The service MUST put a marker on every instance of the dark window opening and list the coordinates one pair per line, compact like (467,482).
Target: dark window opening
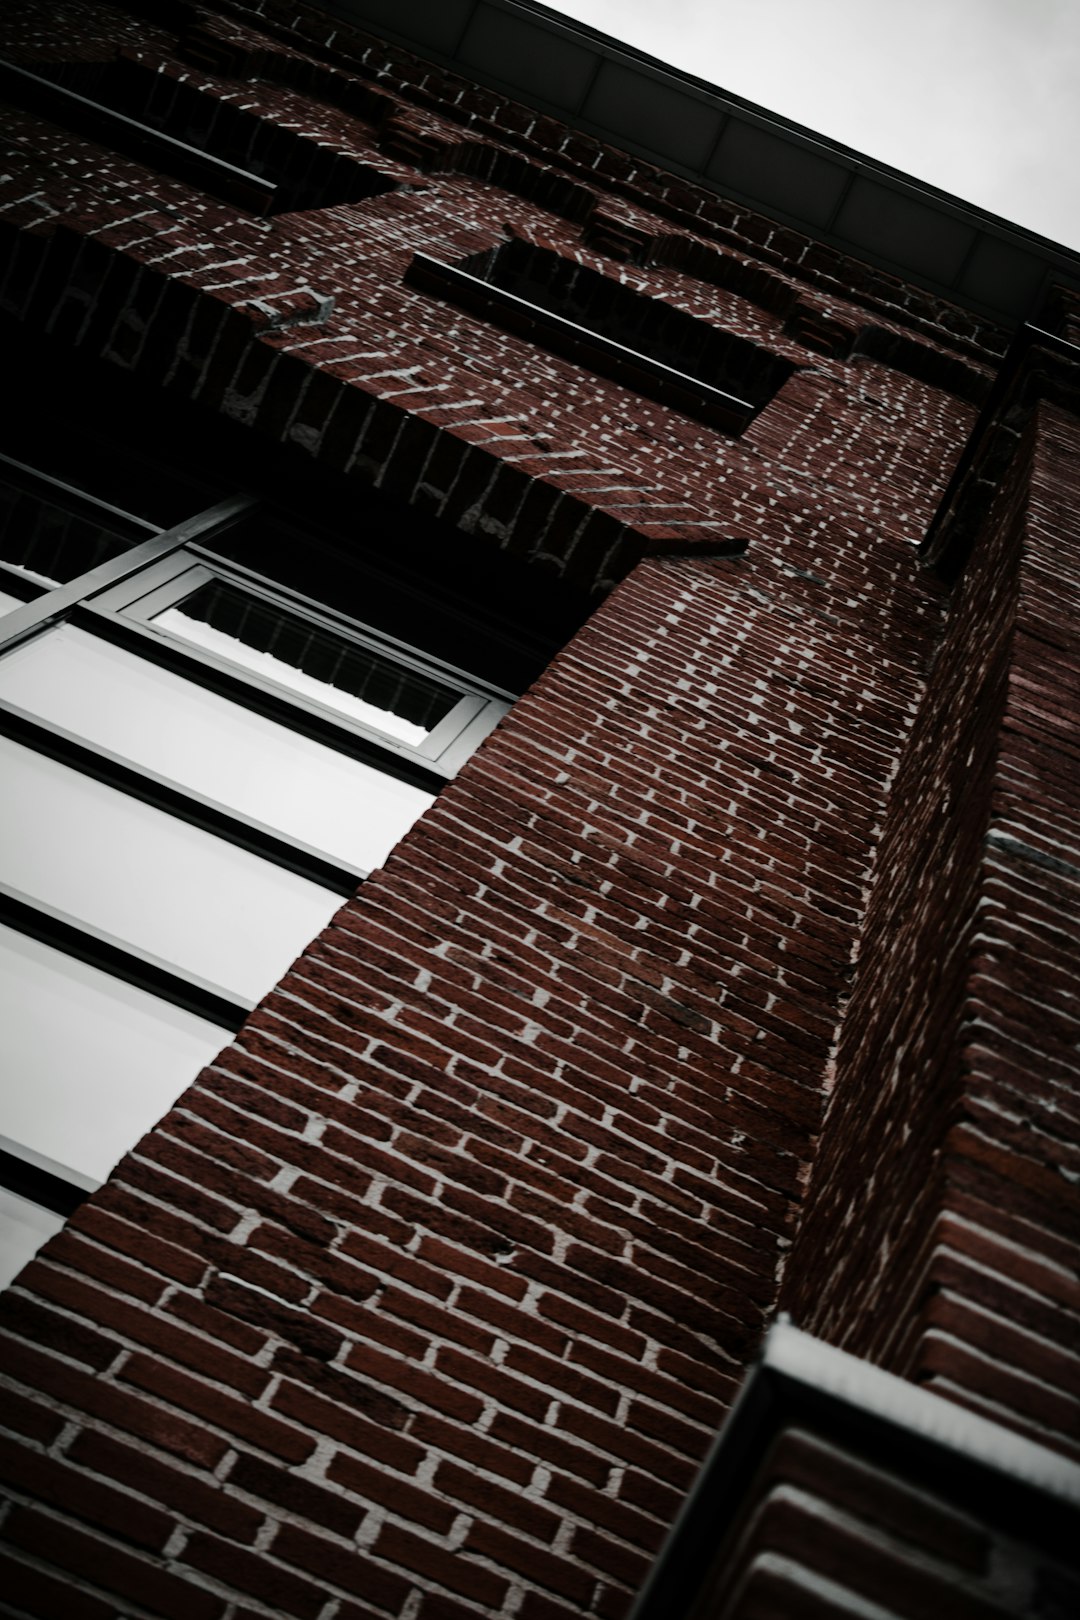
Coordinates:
(289,643)
(210,735)
(641,341)
(411,575)
(46,538)
(177,129)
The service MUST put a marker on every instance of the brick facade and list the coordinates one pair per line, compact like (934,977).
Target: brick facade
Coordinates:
(735,972)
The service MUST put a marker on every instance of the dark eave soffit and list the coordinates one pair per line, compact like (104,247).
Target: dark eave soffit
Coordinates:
(684,125)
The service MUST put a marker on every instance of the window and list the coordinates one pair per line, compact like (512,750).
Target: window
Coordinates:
(50,533)
(200,762)
(174,128)
(607,327)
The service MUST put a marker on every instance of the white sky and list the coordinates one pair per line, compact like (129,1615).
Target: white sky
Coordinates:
(978,97)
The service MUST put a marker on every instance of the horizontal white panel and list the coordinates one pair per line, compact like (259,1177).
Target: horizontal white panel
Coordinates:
(7,602)
(146,878)
(24,1227)
(89,1063)
(202,741)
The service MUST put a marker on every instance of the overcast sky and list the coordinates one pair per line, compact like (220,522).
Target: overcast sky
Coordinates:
(979,97)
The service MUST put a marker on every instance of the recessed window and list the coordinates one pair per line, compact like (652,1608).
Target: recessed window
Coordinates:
(51,533)
(175,128)
(612,329)
(200,763)
(296,653)
(47,545)
(279,643)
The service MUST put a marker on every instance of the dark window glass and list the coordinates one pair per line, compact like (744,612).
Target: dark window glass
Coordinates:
(50,541)
(355,679)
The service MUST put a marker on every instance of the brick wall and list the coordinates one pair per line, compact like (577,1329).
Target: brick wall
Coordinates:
(464,1244)
(574,470)
(940,1229)
(427,1298)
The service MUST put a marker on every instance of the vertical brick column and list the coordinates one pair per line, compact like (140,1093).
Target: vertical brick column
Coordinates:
(1001,1324)
(942,1218)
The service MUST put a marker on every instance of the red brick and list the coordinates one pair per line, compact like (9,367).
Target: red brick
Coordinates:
(613,1515)
(437,1606)
(627,1566)
(369,1323)
(550,1445)
(34,1322)
(33,1592)
(216,1324)
(652,1496)
(503,1387)
(691,1440)
(170,1259)
(114,1406)
(71,1250)
(547,1569)
(580,1320)
(106,1566)
(360,1433)
(272,1315)
(467,1445)
(153,1331)
(298,1497)
(456,1262)
(218,1407)
(344,1567)
(175,1488)
(390,1262)
(510,1507)
(251,1573)
(414,1383)
(446,1324)
(454,1570)
(382,1489)
(23,1416)
(561,1376)
(539,1607)
(57,1484)
(597,1431)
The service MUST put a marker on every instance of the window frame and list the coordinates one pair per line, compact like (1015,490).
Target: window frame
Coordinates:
(159,586)
(114,600)
(41,1180)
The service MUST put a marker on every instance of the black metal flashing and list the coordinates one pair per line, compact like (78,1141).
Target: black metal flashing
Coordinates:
(730,146)
(29,1178)
(591,349)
